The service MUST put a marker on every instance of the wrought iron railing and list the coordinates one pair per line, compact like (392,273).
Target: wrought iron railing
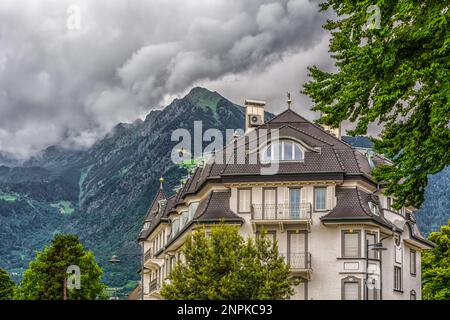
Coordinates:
(153,286)
(282,211)
(148,254)
(298,260)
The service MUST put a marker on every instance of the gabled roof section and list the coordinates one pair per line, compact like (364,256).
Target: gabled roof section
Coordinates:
(158,216)
(324,154)
(155,204)
(287,116)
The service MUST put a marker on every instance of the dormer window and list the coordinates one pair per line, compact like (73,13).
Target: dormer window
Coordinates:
(146,226)
(161,205)
(374,208)
(283,150)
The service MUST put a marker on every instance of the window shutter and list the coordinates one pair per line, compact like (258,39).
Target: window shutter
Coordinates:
(351,291)
(285,201)
(304,195)
(351,245)
(330,197)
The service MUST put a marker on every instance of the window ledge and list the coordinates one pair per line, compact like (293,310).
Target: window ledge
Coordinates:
(399,291)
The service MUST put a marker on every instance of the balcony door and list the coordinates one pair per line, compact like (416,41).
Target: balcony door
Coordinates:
(270,203)
(297,256)
(294,203)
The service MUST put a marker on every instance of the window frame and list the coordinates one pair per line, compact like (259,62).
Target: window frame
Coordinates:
(281,143)
(239,190)
(371,233)
(413,263)
(314,199)
(299,188)
(352,280)
(343,233)
(398,285)
(264,189)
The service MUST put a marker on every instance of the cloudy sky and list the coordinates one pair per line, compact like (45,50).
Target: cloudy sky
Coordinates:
(67,78)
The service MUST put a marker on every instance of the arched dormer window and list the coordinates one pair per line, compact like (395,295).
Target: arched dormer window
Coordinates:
(283,150)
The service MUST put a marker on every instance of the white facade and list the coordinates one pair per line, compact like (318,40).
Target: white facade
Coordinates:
(328,255)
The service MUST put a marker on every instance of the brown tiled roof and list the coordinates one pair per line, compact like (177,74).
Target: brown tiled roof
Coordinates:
(353,203)
(216,207)
(325,154)
(158,216)
(154,206)
(326,157)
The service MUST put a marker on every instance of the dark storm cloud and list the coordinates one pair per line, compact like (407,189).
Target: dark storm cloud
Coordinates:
(71,86)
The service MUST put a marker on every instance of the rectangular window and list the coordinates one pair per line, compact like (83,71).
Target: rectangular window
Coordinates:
(371,239)
(320,199)
(271,235)
(294,202)
(412,262)
(389,203)
(351,290)
(397,278)
(297,256)
(244,201)
(351,244)
(288,151)
(270,203)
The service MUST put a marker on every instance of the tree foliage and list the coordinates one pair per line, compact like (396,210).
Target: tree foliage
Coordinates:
(7,286)
(224,266)
(436,267)
(45,277)
(396,74)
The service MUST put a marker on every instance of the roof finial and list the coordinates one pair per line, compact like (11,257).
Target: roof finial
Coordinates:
(161,180)
(289,101)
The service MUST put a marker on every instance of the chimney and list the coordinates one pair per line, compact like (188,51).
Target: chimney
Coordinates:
(254,114)
(334,131)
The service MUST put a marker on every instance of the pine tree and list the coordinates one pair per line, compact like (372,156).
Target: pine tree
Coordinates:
(47,274)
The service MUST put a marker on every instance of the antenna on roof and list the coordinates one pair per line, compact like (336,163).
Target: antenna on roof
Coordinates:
(369,156)
(289,100)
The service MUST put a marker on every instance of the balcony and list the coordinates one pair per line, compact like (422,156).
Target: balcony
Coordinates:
(148,254)
(154,287)
(300,263)
(282,214)
(150,259)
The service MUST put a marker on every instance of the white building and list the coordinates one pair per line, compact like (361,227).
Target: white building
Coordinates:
(322,206)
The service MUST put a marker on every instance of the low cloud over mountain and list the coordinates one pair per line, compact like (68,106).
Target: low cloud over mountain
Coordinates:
(70,86)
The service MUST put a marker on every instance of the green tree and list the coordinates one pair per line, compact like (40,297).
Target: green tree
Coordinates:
(436,267)
(7,286)
(46,275)
(224,266)
(395,73)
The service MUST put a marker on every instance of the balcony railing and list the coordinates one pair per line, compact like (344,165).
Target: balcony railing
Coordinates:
(282,211)
(301,260)
(153,286)
(148,254)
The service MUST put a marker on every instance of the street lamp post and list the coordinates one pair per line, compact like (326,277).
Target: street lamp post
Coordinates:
(116,260)
(377,247)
